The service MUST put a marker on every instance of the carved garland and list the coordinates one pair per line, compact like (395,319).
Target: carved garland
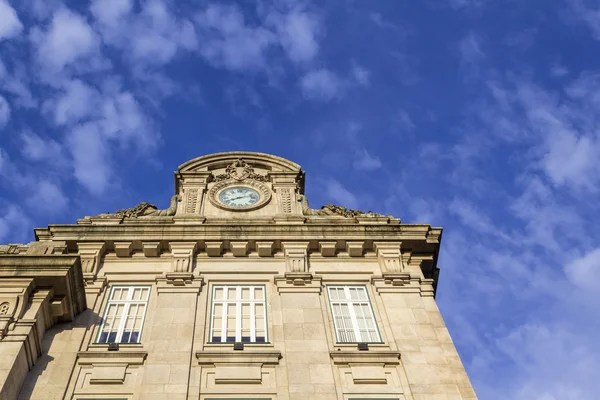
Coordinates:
(265,194)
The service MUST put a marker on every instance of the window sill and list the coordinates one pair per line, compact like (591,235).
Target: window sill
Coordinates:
(230,345)
(346,346)
(122,346)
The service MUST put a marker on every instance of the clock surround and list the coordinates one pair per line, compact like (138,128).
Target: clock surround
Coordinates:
(263,191)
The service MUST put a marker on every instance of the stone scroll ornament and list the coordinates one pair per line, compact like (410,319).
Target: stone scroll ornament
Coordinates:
(145,209)
(333,210)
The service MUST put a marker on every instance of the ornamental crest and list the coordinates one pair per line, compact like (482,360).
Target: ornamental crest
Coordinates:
(240,170)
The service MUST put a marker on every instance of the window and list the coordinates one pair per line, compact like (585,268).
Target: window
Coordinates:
(352,315)
(238,314)
(124,315)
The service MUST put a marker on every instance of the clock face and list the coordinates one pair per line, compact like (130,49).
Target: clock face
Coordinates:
(239,196)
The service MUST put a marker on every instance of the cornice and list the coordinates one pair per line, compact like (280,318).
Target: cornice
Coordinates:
(242,230)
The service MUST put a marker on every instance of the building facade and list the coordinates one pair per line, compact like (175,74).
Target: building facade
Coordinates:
(238,290)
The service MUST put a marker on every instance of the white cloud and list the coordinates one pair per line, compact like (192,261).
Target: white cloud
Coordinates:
(77,101)
(111,12)
(361,75)
(226,40)
(321,84)
(47,197)
(363,161)
(4,112)
(36,148)
(14,223)
(10,25)
(298,32)
(340,195)
(68,39)
(91,162)
(584,272)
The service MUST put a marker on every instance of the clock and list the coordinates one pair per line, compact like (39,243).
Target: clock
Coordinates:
(239,197)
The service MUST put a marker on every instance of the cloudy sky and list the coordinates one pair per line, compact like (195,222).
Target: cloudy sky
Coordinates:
(481,116)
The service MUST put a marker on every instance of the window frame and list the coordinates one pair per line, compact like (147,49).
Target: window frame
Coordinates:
(351,303)
(126,309)
(238,302)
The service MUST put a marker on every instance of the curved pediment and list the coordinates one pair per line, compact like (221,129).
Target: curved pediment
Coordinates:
(216,161)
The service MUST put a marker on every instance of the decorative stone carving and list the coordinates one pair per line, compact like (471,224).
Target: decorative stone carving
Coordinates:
(286,201)
(298,282)
(182,256)
(389,256)
(333,210)
(239,170)
(296,256)
(192,200)
(145,209)
(91,254)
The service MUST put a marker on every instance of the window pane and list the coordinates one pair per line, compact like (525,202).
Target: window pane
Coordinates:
(124,315)
(245,293)
(231,322)
(242,308)
(352,314)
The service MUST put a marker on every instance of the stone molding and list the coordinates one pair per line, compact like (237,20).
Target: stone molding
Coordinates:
(402,283)
(238,367)
(110,367)
(179,282)
(366,367)
(298,282)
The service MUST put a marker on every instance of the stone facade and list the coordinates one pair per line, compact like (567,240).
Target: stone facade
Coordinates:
(130,305)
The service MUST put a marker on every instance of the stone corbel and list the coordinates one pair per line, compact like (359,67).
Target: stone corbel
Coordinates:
(389,256)
(91,255)
(298,282)
(296,256)
(182,254)
(327,249)
(214,249)
(239,249)
(355,249)
(123,249)
(264,249)
(151,249)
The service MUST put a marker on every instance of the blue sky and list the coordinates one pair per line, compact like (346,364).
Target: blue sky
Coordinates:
(480,116)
